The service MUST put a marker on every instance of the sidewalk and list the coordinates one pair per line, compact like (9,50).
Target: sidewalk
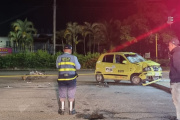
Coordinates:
(163,84)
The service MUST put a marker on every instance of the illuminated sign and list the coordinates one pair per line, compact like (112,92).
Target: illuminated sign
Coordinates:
(5,50)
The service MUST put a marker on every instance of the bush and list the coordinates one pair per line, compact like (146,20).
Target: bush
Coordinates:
(42,59)
(90,60)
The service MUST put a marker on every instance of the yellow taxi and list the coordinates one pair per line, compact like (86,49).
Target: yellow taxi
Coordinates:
(127,66)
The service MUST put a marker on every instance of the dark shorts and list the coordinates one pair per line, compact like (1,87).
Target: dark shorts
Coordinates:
(67,89)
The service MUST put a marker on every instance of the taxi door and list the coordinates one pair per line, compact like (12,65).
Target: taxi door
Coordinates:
(108,66)
(121,69)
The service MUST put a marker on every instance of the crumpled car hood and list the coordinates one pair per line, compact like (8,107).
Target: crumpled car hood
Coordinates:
(148,63)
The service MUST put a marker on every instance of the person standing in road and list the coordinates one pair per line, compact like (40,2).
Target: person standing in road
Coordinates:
(67,65)
(174,74)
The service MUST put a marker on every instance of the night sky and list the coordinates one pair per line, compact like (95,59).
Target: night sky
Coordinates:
(40,12)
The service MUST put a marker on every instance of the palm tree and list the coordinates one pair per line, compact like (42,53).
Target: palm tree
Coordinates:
(72,31)
(100,38)
(85,32)
(112,32)
(93,30)
(14,37)
(60,36)
(21,33)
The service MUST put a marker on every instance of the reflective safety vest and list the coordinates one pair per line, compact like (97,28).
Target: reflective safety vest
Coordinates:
(67,69)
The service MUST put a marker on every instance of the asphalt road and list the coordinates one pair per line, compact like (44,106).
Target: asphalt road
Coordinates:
(38,99)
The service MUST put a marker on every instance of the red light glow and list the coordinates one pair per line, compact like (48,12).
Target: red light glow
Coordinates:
(118,48)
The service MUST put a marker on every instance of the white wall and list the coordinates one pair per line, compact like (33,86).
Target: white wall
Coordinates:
(3,41)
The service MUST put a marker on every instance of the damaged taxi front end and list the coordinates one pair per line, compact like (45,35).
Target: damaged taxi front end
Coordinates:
(148,70)
(151,71)
(127,66)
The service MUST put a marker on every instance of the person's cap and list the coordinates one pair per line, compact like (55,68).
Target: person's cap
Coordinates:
(175,41)
(68,47)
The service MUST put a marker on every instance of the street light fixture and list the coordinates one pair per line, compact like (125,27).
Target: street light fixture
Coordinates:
(170,20)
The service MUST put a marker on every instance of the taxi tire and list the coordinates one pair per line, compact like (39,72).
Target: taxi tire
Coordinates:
(99,78)
(135,79)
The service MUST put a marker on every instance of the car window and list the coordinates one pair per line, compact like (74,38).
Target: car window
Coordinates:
(108,58)
(134,58)
(119,59)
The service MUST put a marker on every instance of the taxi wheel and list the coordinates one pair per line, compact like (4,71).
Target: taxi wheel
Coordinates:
(136,80)
(99,78)
(117,81)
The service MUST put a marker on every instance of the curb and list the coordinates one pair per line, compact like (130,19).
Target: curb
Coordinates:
(161,87)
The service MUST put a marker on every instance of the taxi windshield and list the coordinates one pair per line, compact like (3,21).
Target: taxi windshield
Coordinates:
(134,58)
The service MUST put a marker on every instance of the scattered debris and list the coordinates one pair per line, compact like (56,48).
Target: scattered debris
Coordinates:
(171,117)
(104,84)
(24,77)
(94,116)
(34,75)
(8,87)
(85,110)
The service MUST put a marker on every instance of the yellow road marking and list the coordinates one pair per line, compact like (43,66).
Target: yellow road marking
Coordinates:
(34,75)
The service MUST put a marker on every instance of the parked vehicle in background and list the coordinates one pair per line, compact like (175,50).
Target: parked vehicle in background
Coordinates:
(127,66)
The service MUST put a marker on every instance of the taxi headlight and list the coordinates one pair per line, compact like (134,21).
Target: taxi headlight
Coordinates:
(147,69)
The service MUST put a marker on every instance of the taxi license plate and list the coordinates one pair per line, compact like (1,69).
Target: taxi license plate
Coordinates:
(156,74)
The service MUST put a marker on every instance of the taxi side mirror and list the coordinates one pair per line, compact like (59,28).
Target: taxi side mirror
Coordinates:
(124,62)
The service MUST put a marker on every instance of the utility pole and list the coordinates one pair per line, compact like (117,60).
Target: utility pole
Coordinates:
(156,47)
(54,27)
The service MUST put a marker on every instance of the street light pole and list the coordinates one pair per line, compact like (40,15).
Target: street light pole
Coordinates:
(156,48)
(54,27)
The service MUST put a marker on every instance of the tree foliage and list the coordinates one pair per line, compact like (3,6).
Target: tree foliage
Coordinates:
(22,34)
(112,33)
(71,33)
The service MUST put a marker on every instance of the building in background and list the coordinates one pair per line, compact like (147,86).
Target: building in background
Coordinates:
(41,42)
(5,46)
